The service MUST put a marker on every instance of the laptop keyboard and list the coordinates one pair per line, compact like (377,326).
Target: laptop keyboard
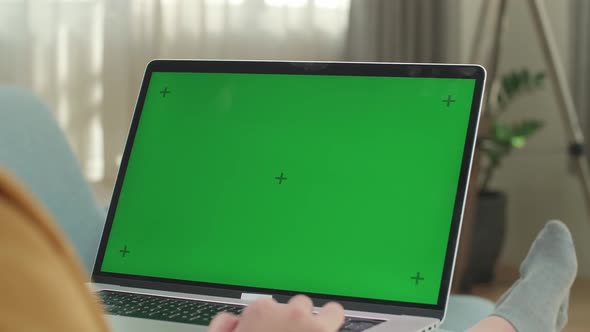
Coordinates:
(189,311)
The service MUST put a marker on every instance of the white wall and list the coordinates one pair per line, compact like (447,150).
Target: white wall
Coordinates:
(539,178)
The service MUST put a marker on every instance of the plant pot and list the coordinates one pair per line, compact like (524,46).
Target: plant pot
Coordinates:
(487,238)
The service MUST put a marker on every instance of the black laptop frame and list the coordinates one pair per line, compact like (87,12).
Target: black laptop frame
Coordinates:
(306,68)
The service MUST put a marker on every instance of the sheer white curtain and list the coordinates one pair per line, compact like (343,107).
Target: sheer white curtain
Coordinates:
(404,30)
(85,58)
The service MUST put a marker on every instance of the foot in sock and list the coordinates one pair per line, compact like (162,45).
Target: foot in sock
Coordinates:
(538,300)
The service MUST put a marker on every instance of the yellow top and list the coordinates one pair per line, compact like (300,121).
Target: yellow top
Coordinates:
(42,284)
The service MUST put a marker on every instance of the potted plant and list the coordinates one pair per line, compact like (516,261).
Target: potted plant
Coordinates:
(499,139)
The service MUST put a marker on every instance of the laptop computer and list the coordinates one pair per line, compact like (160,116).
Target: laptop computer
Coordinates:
(342,181)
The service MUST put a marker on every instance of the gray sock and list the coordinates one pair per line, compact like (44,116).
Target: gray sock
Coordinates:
(537,302)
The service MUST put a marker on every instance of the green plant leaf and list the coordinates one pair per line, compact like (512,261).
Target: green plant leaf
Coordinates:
(526,128)
(518,141)
(516,83)
(503,137)
(538,78)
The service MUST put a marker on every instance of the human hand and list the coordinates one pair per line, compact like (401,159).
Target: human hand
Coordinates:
(266,315)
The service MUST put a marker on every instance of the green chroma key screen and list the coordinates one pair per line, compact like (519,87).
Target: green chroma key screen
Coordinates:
(339,185)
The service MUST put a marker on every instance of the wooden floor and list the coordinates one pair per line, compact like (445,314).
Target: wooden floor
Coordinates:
(579,307)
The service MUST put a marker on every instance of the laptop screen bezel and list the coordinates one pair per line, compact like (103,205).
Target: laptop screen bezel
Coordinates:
(306,68)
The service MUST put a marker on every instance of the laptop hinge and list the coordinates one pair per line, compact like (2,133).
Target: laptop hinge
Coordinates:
(253,296)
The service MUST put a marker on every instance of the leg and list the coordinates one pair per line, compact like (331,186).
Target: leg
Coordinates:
(538,299)
(493,324)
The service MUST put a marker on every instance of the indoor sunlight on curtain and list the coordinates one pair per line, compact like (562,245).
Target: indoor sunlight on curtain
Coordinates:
(85,58)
